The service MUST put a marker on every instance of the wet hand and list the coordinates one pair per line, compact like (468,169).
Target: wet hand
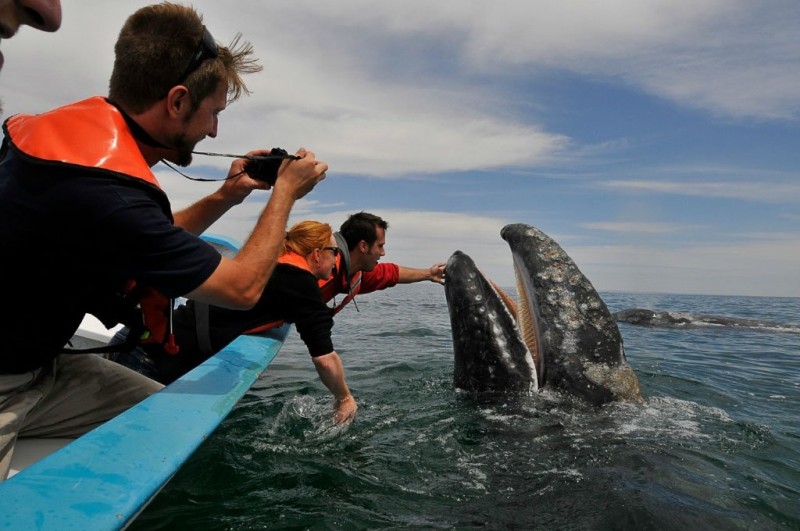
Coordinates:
(344,410)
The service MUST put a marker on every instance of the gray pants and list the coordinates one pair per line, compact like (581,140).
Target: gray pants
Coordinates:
(73,396)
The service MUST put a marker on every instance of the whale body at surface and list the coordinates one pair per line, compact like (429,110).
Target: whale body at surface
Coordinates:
(558,335)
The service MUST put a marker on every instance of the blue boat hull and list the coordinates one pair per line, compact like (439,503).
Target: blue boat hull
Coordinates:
(105,478)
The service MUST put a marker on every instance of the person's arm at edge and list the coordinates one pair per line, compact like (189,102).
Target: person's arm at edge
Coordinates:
(331,372)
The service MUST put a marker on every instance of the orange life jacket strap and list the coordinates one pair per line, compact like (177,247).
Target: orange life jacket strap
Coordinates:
(354,287)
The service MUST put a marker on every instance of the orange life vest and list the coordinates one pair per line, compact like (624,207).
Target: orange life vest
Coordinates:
(105,143)
(329,289)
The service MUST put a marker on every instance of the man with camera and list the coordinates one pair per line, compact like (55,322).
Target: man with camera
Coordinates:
(87,228)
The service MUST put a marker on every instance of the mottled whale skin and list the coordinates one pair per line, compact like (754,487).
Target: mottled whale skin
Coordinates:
(578,342)
(563,337)
(490,355)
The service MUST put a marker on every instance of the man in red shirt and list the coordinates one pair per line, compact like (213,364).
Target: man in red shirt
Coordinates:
(358,269)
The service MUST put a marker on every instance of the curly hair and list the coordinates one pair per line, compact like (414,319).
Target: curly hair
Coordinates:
(155,45)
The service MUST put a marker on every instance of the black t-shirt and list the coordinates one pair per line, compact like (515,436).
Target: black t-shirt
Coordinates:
(292,295)
(69,239)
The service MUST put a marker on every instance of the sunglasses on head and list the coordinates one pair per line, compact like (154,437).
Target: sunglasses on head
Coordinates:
(207,49)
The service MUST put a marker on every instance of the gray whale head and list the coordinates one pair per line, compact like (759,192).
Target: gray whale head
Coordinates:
(490,355)
(559,334)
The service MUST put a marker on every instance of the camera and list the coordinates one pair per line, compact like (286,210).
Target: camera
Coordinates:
(265,167)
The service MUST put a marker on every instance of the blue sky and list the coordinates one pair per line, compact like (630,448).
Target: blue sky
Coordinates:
(656,141)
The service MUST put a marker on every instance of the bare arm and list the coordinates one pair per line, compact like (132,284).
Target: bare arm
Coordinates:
(238,282)
(237,186)
(408,275)
(331,372)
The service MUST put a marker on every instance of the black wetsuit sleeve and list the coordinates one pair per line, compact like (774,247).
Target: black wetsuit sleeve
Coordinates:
(304,307)
(291,295)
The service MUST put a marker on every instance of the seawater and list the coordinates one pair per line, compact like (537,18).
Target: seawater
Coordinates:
(716,445)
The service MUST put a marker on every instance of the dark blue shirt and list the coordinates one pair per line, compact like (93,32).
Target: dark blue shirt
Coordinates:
(69,239)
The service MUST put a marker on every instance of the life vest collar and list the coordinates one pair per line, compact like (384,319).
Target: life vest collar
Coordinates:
(295,259)
(343,260)
(90,134)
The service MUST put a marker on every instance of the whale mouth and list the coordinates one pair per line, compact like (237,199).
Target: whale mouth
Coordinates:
(525,314)
(576,340)
(527,317)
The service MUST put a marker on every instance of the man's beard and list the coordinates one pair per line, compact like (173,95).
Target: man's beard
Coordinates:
(183,150)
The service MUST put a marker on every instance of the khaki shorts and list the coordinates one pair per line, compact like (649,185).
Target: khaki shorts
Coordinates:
(74,396)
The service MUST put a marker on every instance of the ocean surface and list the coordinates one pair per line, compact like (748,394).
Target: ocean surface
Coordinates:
(716,445)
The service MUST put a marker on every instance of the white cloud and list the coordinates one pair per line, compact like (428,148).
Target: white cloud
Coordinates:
(743,268)
(735,58)
(638,227)
(750,191)
(334,83)
(422,238)
(413,87)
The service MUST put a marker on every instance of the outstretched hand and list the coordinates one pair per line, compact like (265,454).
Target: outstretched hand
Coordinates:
(437,273)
